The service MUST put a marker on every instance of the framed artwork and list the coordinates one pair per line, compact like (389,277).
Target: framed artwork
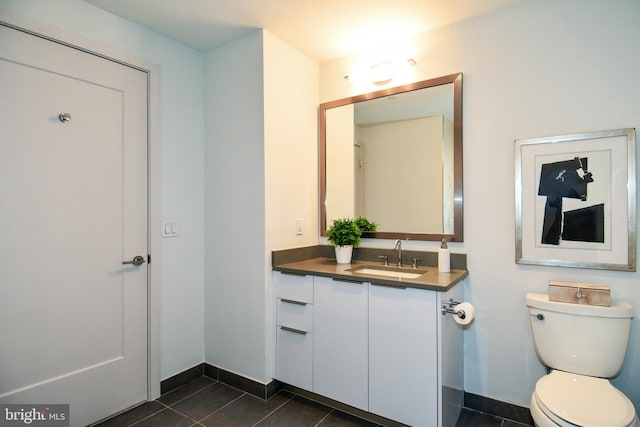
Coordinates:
(576,200)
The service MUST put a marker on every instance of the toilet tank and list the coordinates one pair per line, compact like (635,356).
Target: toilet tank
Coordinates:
(583,339)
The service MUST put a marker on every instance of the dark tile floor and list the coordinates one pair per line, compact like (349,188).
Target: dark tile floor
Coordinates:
(206,402)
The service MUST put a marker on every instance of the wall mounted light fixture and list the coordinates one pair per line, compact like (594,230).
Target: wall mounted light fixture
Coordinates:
(379,73)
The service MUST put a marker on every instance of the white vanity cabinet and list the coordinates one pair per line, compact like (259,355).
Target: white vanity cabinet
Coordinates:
(340,352)
(384,349)
(294,329)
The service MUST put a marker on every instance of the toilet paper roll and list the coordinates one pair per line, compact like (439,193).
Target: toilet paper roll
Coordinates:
(469,314)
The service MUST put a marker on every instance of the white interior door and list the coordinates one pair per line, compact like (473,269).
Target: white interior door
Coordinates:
(73,207)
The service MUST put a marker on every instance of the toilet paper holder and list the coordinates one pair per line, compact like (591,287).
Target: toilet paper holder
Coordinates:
(450,310)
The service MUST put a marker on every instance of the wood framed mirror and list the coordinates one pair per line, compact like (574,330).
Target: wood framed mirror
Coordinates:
(395,157)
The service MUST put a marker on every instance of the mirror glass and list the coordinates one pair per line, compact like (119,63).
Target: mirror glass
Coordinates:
(395,157)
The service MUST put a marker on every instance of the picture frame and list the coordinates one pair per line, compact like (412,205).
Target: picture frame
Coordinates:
(575,200)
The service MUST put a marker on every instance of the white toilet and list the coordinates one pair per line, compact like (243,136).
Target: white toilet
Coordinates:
(583,346)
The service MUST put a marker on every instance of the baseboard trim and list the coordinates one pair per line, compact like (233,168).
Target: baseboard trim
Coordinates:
(377,419)
(263,391)
(498,408)
(181,378)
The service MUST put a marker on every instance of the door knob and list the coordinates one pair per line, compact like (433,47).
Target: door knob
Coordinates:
(137,260)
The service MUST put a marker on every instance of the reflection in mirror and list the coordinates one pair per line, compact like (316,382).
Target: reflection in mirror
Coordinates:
(395,156)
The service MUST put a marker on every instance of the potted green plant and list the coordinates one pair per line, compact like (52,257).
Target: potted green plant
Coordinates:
(365,225)
(344,234)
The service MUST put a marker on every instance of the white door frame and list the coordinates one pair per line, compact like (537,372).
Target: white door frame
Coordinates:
(153,148)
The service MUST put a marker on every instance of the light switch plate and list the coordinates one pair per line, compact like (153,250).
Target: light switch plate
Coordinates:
(170,228)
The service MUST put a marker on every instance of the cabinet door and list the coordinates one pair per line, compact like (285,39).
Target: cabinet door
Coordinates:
(403,361)
(340,362)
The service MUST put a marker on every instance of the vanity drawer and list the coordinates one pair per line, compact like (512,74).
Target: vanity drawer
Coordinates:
(294,287)
(294,314)
(294,357)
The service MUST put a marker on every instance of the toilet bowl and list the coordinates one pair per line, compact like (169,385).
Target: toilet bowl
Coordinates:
(566,399)
(582,346)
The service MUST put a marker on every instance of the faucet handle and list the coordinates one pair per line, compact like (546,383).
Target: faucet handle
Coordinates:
(414,262)
(385,259)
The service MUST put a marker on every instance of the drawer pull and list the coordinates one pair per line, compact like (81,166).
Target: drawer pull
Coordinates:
(385,285)
(290,301)
(357,282)
(292,273)
(295,331)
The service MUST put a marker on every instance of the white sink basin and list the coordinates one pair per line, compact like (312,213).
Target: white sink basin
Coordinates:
(388,272)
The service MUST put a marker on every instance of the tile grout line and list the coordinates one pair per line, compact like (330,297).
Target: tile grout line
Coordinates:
(151,415)
(124,412)
(324,418)
(187,396)
(174,403)
(272,412)
(185,415)
(224,406)
(165,409)
(118,414)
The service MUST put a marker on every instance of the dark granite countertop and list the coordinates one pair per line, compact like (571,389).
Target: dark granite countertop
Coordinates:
(307,262)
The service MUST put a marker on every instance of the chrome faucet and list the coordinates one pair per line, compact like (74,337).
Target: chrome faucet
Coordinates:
(398,247)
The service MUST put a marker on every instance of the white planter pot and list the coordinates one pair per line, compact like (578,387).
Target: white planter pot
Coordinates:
(343,254)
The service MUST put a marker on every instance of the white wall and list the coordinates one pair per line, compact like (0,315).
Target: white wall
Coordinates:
(260,177)
(291,145)
(537,69)
(235,208)
(182,169)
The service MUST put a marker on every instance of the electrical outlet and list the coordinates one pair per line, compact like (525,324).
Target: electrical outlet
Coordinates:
(298,226)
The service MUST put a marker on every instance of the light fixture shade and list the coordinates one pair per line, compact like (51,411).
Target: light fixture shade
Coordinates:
(381,72)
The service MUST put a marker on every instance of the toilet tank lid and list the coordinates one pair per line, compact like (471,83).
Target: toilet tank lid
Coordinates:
(618,309)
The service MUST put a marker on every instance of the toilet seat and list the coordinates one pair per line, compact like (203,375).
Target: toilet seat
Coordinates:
(544,417)
(577,400)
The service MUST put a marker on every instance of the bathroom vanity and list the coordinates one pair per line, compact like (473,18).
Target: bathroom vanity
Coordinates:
(377,345)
